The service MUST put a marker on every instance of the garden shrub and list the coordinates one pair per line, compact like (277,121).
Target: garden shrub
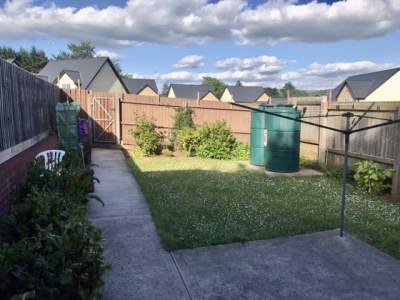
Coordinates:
(371,179)
(145,134)
(49,250)
(216,141)
(189,139)
(182,120)
(337,173)
(241,152)
(309,163)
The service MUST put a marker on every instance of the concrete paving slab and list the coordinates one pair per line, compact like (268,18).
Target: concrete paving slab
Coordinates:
(312,266)
(301,172)
(142,269)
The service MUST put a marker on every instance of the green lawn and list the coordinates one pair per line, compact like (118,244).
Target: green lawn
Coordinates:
(198,202)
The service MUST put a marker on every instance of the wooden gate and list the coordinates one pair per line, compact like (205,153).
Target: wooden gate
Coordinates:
(104,120)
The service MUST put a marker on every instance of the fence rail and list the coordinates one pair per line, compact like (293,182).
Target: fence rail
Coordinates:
(27,106)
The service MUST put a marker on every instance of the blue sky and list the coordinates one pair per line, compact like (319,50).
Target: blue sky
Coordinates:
(313,44)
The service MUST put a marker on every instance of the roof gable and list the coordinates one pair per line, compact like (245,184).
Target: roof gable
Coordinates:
(88,69)
(189,91)
(363,85)
(136,85)
(246,94)
(74,75)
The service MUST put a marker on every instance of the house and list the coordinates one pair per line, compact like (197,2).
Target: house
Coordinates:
(244,94)
(376,86)
(143,87)
(13,61)
(191,91)
(97,74)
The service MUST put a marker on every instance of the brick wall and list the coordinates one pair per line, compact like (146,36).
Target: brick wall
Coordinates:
(13,171)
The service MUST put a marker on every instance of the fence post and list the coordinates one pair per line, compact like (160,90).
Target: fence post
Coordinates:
(322,134)
(89,110)
(396,166)
(117,118)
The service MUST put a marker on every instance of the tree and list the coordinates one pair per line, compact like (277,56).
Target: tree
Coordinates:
(238,83)
(272,92)
(219,86)
(288,86)
(7,52)
(84,50)
(33,60)
(165,89)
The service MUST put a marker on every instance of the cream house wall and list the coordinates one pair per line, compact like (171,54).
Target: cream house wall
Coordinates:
(65,79)
(210,97)
(345,95)
(106,81)
(171,93)
(388,91)
(147,91)
(226,96)
(263,98)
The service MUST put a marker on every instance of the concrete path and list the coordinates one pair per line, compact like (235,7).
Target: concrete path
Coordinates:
(312,266)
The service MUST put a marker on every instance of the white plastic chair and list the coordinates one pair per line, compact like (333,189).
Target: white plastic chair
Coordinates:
(51,158)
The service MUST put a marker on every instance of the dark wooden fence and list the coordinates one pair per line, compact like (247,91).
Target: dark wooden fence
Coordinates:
(27,105)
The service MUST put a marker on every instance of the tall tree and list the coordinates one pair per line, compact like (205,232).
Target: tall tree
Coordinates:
(288,86)
(165,89)
(238,83)
(84,50)
(33,60)
(272,92)
(219,86)
(7,52)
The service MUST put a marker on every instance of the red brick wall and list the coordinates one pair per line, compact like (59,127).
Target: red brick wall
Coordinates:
(12,172)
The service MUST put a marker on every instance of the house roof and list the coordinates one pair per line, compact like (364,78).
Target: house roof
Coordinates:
(136,85)
(363,85)
(245,94)
(189,91)
(13,61)
(74,75)
(87,67)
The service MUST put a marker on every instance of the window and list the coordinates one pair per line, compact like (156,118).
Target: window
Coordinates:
(66,86)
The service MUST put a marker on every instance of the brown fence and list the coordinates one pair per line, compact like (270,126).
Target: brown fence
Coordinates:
(381,145)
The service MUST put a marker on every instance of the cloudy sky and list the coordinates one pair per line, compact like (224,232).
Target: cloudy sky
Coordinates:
(313,44)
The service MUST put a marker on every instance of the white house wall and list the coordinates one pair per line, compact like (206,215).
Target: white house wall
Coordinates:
(106,81)
(388,91)
(65,80)
(171,93)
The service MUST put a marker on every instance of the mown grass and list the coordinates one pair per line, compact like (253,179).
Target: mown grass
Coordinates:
(199,202)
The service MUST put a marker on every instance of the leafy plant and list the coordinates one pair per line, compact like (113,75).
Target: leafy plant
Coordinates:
(145,135)
(183,118)
(216,141)
(167,152)
(337,173)
(309,163)
(371,179)
(189,139)
(241,152)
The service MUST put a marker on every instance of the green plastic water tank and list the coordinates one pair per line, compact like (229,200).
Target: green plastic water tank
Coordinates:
(283,140)
(258,137)
(67,125)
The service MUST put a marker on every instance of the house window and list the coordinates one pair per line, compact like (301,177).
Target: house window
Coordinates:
(66,86)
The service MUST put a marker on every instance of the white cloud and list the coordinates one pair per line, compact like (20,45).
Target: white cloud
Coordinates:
(112,55)
(267,64)
(190,61)
(199,22)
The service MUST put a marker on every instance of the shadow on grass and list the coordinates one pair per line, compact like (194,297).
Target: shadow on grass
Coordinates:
(197,203)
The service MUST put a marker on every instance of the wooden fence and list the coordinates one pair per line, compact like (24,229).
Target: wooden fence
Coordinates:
(381,145)
(27,106)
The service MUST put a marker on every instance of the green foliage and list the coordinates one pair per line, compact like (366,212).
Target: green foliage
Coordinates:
(32,60)
(238,83)
(183,118)
(337,173)
(371,179)
(145,135)
(7,52)
(49,250)
(272,92)
(309,163)
(167,152)
(219,86)
(216,141)
(165,89)
(241,151)
(76,51)
(189,139)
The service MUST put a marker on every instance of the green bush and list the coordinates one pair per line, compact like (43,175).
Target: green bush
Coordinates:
(216,141)
(183,119)
(189,139)
(371,179)
(309,163)
(145,135)
(337,173)
(241,152)
(48,249)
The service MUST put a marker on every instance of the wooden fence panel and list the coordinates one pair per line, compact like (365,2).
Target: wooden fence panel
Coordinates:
(27,105)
